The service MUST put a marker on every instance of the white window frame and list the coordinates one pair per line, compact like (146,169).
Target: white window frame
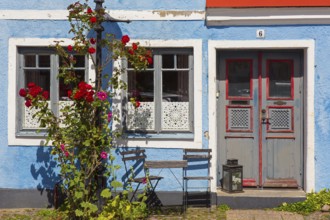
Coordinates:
(158,72)
(13,59)
(176,140)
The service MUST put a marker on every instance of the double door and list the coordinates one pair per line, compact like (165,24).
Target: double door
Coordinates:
(260,115)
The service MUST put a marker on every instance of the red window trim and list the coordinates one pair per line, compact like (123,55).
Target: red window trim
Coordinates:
(292,119)
(266,3)
(250,130)
(228,61)
(292,80)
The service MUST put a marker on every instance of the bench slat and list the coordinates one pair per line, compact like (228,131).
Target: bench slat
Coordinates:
(197,150)
(165,164)
(134,158)
(198,177)
(197,156)
(132,152)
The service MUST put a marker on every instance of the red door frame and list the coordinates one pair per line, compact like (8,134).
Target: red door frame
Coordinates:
(259,110)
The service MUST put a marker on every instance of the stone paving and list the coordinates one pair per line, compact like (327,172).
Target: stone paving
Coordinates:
(261,215)
(212,214)
(195,214)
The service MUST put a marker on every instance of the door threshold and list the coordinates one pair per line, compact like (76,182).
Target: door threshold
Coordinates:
(265,192)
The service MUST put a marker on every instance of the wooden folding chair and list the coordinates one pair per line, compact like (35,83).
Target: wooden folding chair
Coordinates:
(197,160)
(135,170)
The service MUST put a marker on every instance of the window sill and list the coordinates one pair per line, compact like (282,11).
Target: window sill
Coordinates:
(31,134)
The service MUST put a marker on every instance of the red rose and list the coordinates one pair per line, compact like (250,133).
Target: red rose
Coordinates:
(45,94)
(87,86)
(34,91)
(69,93)
(28,103)
(125,39)
(134,46)
(22,92)
(30,85)
(79,95)
(93,19)
(82,85)
(89,11)
(91,50)
(70,48)
(92,40)
(89,96)
(137,104)
(149,59)
(130,51)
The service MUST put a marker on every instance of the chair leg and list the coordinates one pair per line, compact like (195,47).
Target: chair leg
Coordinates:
(186,195)
(133,195)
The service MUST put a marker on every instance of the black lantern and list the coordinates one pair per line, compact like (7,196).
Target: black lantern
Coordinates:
(232,176)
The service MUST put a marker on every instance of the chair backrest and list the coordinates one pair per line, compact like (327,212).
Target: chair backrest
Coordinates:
(198,159)
(134,162)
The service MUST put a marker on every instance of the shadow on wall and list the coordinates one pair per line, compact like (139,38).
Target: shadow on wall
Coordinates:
(44,170)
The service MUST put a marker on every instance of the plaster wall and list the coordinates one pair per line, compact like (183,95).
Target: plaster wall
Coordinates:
(26,167)
(113,4)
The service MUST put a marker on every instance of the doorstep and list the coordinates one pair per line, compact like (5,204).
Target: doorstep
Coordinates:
(252,198)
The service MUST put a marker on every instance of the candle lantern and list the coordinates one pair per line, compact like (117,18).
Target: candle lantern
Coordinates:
(232,176)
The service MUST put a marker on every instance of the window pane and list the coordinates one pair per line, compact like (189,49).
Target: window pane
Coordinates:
(280,78)
(141,86)
(168,61)
(239,73)
(30,61)
(39,77)
(175,86)
(182,61)
(175,103)
(44,61)
(80,61)
(64,88)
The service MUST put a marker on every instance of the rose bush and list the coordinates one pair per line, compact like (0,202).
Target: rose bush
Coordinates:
(80,134)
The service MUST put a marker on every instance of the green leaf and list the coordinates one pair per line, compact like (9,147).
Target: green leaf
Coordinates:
(106,193)
(79,212)
(78,195)
(116,184)
(87,143)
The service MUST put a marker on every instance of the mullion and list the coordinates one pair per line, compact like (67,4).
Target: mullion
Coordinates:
(158,92)
(191,91)
(54,84)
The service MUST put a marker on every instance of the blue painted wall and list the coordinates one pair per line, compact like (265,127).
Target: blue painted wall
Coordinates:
(109,4)
(30,167)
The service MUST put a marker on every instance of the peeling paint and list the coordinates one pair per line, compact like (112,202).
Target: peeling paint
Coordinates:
(166,13)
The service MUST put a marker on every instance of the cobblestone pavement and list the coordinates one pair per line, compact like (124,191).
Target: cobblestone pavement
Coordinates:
(261,215)
(195,214)
(209,214)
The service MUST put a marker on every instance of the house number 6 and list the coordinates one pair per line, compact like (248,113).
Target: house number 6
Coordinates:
(260,34)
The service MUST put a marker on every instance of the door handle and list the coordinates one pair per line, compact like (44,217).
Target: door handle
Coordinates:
(264,117)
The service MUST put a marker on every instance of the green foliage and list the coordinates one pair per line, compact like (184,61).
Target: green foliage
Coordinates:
(17,217)
(50,214)
(122,209)
(81,135)
(313,202)
(223,208)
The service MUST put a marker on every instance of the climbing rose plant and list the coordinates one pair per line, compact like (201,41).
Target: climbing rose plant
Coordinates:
(80,134)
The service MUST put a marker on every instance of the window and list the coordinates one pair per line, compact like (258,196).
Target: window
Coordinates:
(41,66)
(165,92)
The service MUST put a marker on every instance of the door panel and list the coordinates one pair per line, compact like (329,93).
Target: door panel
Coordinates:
(260,115)
(281,133)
